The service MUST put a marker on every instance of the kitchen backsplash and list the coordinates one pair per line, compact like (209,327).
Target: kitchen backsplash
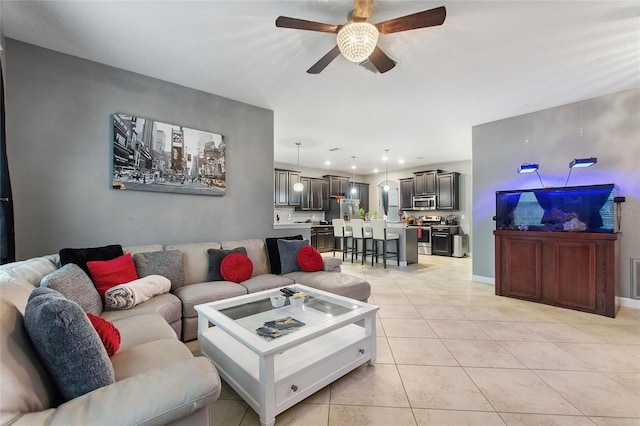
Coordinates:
(290,215)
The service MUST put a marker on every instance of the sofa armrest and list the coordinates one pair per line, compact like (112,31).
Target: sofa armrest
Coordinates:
(332,264)
(157,396)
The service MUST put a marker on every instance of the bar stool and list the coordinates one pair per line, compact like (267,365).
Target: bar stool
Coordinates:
(360,234)
(341,235)
(380,235)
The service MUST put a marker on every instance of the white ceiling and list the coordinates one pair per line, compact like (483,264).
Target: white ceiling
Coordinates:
(490,60)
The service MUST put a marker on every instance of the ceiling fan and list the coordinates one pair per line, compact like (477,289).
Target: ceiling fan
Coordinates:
(358,38)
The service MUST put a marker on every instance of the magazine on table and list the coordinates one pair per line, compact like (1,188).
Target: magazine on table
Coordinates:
(279,327)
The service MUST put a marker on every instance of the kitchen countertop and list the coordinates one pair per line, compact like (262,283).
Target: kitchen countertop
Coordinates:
(291,225)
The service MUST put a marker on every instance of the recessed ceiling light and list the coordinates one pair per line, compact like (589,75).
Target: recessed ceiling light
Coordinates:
(375,170)
(327,163)
(400,161)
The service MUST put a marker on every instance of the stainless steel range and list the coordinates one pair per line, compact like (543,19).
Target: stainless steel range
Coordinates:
(424,226)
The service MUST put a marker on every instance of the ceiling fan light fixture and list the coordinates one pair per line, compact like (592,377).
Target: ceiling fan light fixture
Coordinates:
(357,40)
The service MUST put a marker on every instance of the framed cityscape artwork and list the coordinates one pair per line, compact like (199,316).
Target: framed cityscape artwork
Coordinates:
(153,156)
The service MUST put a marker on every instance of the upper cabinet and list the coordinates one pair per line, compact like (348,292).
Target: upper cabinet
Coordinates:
(424,183)
(406,194)
(315,195)
(447,191)
(338,185)
(284,195)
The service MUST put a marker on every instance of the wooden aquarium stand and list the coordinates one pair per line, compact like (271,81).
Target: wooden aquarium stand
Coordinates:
(574,270)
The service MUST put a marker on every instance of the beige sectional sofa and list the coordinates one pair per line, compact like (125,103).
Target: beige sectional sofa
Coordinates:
(197,290)
(151,360)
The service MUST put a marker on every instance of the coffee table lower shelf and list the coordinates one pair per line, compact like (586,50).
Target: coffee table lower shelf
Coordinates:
(289,376)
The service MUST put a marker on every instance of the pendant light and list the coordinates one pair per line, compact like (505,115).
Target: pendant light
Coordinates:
(298,186)
(386,170)
(353,169)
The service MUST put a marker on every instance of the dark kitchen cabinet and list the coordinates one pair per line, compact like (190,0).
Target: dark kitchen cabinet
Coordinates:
(322,238)
(424,183)
(447,191)
(406,194)
(284,195)
(315,195)
(363,195)
(338,185)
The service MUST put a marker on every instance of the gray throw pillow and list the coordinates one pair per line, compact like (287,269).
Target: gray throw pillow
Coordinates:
(166,263)
(216,256)
(67,343)
(288,250)
(75,285)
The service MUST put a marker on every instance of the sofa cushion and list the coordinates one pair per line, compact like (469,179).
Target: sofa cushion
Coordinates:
(334,282)
(166,263)
(273,254)
(148,356)
(146,248)
(309,259)
(216,256)
(289,254)
(107,332)
(67,343)
(266,282)
(24,386)
(195,260)
(74,284)
(141,329)
(166,305)
(256,252)
(196,294)
(80,256)
(236,267)
(110,273)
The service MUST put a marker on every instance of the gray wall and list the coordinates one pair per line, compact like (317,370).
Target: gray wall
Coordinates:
(58,132)
(610,131)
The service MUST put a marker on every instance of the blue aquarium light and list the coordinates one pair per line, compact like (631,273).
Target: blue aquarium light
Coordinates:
(528,168)
(583,162)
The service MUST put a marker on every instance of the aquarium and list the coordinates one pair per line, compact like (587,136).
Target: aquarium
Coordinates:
(566,209)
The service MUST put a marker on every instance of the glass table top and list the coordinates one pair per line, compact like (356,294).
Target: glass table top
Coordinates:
(270,322)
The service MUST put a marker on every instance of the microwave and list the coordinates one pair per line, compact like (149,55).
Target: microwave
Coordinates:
(424,203)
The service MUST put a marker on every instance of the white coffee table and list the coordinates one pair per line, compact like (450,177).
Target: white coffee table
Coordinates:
(272,375)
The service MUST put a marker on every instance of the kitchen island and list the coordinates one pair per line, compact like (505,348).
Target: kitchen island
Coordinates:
(408,242)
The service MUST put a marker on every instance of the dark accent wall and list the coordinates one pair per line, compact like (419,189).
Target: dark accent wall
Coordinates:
(552,138)
(59,147)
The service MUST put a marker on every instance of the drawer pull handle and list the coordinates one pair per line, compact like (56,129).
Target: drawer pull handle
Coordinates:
(294,388)
(361,351)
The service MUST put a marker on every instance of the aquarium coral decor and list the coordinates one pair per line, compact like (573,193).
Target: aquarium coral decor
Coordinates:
(565,209)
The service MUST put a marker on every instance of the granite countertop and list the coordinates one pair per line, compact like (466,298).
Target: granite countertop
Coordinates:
(291,225)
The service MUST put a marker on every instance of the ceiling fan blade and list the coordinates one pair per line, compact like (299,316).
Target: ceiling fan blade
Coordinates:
(301,24)
(362,8)
(381,61)
(324,61)
(427,18)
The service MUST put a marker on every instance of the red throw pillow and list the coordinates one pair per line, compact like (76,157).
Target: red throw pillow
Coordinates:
(110,273)
(108,333)
(236,267)
(310,259)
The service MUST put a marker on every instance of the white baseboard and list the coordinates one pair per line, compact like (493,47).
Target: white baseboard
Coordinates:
(484,280)
(628,302)
(620,301)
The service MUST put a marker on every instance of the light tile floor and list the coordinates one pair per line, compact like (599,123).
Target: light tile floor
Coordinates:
(450,352)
